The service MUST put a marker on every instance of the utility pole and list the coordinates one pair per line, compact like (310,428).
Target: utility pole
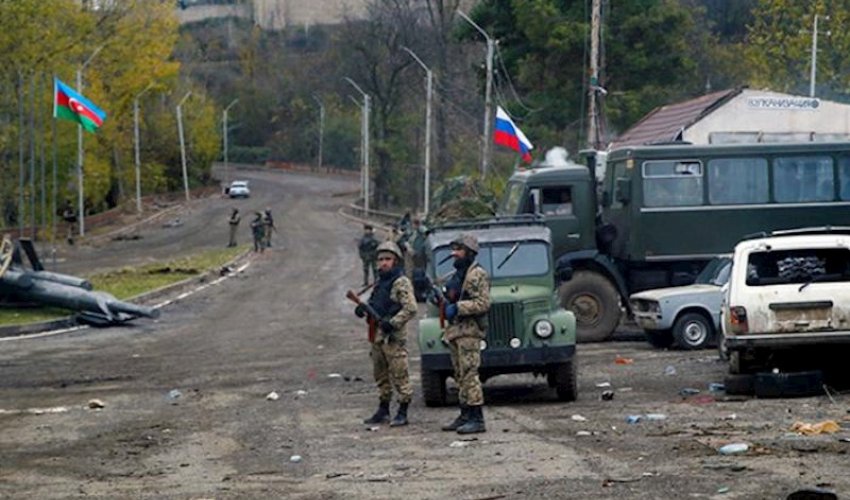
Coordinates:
(487,146)
(367,105)
(224,116)
(595,19)
(81,216)
(429,76)
(815,55)
(183,143)
(136,148)
(321,128)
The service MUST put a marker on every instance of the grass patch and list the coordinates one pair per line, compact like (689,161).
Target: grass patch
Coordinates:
(130,282)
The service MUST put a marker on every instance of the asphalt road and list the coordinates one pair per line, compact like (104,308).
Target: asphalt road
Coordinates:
(283,325)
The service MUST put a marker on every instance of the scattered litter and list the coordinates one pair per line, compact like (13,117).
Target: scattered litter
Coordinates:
(579,418)
(273,396)
(733,448)
(603,384)
(670,370)
(825,427)
(731,416)
(459,444)
(96,404)
(173,223)
(633,419)
(295,459)
(225,270)
(374,428)
(300,392)
(607,395)
(333,475)
(624,389)
(844,440)
(320,346)
(619,360)
(723,489)
(174,394)
(584,433)
(35,411)
(688,391)
(656,416)
(334,375)
(126,237)
(716,387)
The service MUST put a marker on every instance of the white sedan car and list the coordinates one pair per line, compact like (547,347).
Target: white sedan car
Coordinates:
(239,189)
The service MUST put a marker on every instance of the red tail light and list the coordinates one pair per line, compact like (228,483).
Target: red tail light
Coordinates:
(738,319)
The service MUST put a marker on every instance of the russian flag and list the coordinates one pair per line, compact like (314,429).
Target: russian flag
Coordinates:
(507,134)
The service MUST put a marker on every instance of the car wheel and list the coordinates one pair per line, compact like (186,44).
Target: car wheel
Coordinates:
(595,303)
(434,388)
(565,380)
(692,331)
(661,339)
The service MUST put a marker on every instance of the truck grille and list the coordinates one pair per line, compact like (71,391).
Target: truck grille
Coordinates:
(502,325)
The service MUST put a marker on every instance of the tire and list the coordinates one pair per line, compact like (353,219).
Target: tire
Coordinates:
(740,384)
(434,388)
(692,331)
(661,339)
(595,303)
(564,375)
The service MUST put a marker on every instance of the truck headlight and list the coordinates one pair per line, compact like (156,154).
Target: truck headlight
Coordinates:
(544,328)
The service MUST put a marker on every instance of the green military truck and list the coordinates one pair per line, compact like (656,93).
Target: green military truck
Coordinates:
(527,330)
(659,213)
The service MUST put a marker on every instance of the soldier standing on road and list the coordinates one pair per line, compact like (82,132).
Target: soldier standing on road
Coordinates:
(367,247)
(234,221)
(392,299)
(268,223)
(257,227)
(468,294)
(69,215)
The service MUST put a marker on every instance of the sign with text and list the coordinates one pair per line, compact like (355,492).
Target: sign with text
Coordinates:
(791,103)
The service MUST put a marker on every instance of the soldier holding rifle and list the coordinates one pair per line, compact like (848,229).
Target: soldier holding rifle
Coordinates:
(390,306)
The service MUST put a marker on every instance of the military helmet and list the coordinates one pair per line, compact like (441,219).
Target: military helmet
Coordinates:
(468,241)
(391,247)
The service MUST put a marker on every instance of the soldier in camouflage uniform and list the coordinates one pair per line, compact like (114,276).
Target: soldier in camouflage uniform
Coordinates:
(367,247)
(468,294)
(392,298)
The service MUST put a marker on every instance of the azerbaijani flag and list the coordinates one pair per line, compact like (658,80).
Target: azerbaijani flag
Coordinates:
(509,135)
(70,105)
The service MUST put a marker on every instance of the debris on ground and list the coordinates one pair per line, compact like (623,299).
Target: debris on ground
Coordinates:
(176,222)
(603,384)
(225,270)
(716,387)
(606,395)
(273,396)
(295,459)
(578,418)
(174,394)
(619,360)
(734,448)
(96,404)
(670,370)
(300,392)
(825,427)
(334,375)
(688,391)
(127,237)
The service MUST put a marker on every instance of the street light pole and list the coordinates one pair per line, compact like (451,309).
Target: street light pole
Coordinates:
(487,148)
(321,128)
(183,143)
(224,116)
(80,188)
(136,147)
(367,105)
(429,76)
(362,142)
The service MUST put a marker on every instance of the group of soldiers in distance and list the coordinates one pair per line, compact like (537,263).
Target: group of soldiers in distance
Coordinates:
(262,226)
(398,266)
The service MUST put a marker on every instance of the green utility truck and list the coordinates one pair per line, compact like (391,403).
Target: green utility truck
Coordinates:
(527,331)
(659,213)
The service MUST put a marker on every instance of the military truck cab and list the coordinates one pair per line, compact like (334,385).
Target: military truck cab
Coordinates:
(527,330)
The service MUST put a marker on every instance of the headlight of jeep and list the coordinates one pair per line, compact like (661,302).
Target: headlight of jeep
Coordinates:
(543,328)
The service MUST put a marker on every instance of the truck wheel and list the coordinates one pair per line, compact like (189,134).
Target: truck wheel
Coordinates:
(565,380)
(692,331)
(434,388)
(661,339)
(595,303)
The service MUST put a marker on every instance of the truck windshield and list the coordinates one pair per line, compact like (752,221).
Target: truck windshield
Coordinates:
(531,258)
(512,198)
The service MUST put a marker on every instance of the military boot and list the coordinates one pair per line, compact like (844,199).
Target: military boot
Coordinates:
(381,416)
(460,420)
(400,417)
(475,423)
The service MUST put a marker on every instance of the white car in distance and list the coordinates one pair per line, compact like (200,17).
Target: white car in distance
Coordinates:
(239,189)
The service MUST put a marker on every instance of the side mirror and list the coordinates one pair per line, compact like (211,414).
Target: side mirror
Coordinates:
(624,190)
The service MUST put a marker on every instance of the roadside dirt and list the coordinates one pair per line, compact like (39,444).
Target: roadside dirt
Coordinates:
(284,325)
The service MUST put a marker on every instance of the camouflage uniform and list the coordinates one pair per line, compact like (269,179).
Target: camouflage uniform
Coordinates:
(257,227)
(268,227)
(468,292)
(367,248)
(392,298)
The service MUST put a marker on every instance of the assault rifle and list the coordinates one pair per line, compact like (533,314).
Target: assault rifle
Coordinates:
(373,316)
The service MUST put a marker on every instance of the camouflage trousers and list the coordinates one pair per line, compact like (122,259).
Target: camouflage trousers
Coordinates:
(466,358)
(389,364)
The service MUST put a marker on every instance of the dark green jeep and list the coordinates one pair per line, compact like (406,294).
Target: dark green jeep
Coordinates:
(527,330)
